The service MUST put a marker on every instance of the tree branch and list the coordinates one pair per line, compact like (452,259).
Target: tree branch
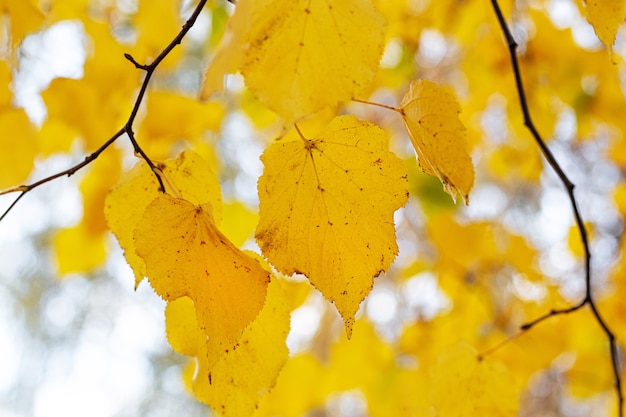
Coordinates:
(569,186)
(128,126)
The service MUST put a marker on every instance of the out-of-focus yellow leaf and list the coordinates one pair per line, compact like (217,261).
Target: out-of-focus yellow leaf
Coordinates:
(24,17)
(66,10)
(456,252)
(389,389)
(98,104)
(574,241)
(181,327)
(296,391)
(348,357)
(592,372)
(61,98)
(156,22)
(606,16)
(55,136)
(470,311)
(301,56)
(431,115)
(104,69)
(17,147)
(258,114)
(238,223)
(6,95)
(326,209)
(191,117)
(234,385)
(94,188)
(519,162)
(465,385)
(188,176)
(78,250)
(619,196)
(186,255)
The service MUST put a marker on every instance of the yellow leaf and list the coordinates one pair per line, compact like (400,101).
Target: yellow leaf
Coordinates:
(18,147)
(619,196)
(104,93)
(574,242)
(181,327)
(6,95)
(348,356)
(431,115)
(464,385)
(61,97)
(238,223)
(156,22)
(77,250)
(296,390)
(189,176)
(24,17)
(518,162)
(55,136)
(67,10)
(301,56)
(186,255)
(101,176)
(326,209)
(606,16)
(192,120)
(234,385)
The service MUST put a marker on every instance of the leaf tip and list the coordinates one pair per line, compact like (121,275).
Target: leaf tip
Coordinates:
(349,324)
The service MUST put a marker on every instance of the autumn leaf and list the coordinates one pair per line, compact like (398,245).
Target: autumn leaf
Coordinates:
(192,120)
(431,115)
(186,255)
(5,86)
(70,241)
(156,23)
(296,390)
(465,384)
(326,209)
(188,176)
(235,383)
(25,17)
(606,16)
(301,56)
(17,161)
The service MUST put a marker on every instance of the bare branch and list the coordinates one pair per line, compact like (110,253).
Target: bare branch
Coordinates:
(553,313)
(569,186)
(128,126)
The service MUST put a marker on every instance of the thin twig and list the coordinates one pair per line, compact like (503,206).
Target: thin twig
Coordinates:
(128,126)
(569,186)
(553,313)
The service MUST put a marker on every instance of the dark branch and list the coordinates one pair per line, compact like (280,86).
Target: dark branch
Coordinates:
(135,63)
(569,186)
(553,313)
(128,126)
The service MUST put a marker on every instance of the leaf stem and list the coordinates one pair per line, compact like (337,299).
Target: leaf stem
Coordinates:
(569,186)
(384,106)
(295,125)
(128,126)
